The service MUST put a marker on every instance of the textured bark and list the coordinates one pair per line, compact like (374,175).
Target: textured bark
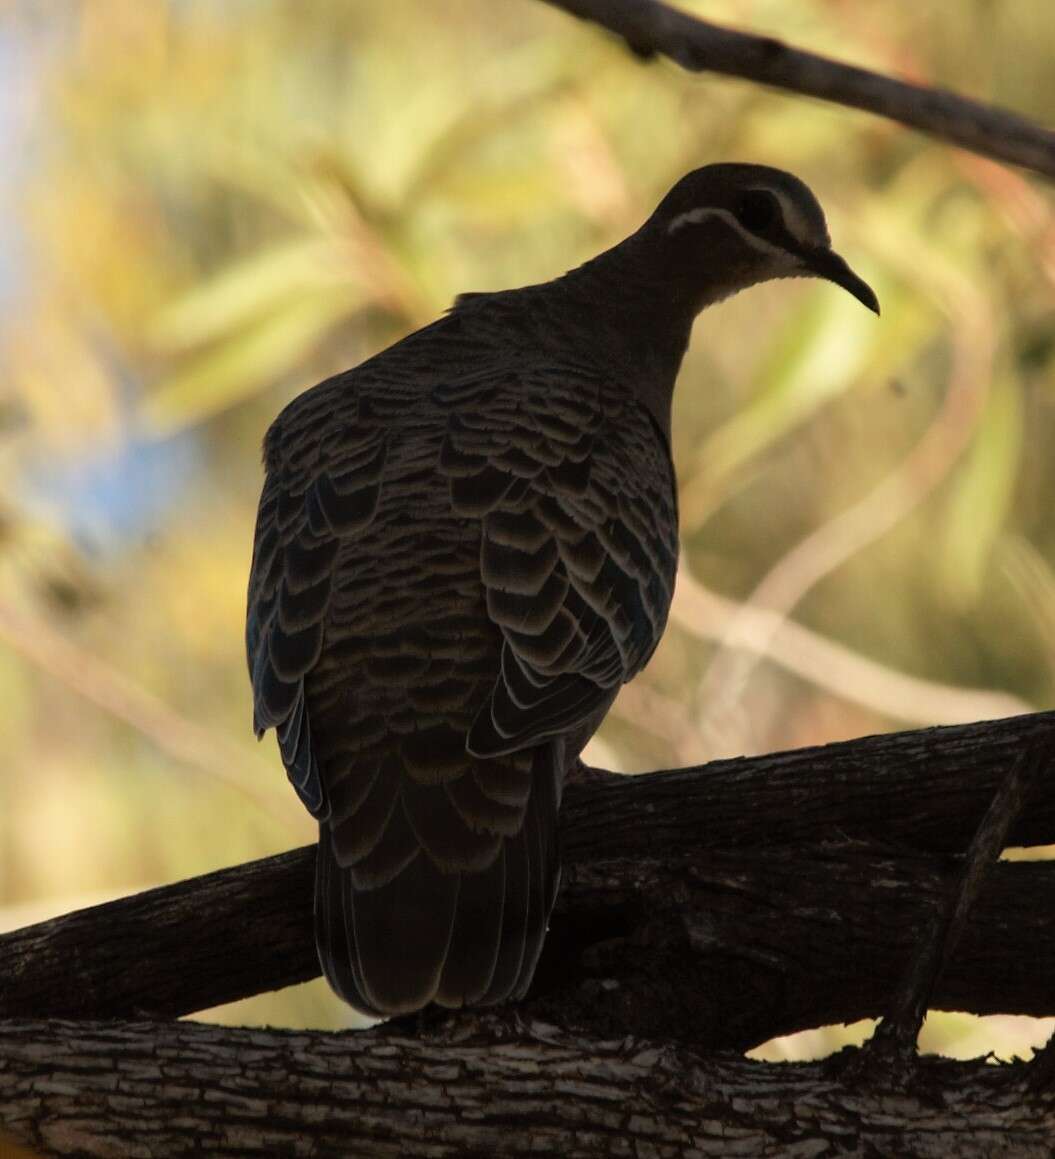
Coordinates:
(500,1085)
(650,28)
(702,909)
(924,788)
(169,951)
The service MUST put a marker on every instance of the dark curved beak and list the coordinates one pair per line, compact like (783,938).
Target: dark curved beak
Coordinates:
(826,263)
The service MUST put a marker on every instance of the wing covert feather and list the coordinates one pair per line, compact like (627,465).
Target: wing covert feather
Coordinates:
(318,490)
(575,494)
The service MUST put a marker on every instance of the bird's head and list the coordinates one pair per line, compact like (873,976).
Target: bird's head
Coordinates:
(726,227)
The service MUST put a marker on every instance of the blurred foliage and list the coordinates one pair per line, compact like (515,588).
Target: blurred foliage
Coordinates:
(211,204)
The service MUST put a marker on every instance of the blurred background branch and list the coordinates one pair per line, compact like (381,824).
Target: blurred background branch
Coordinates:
(650,27)
(211,753)
(767,634)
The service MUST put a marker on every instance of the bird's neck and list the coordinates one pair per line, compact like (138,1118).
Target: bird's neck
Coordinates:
(621,310)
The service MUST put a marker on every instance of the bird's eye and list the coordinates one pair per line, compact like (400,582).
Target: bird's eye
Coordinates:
(756,210)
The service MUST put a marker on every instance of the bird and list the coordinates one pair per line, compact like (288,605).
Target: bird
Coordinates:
(464,547)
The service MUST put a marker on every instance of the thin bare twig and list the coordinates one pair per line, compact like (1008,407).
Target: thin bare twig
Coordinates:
(893,1044)
(650,27)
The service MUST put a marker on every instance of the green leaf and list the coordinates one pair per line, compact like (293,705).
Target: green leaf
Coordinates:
(248,289)
(236,368)
(982,491)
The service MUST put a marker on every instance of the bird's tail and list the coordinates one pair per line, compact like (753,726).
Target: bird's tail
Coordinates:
(461,937)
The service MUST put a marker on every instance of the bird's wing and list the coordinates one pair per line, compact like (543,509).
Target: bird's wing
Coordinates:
(321,487)
(574,490)
(371,652)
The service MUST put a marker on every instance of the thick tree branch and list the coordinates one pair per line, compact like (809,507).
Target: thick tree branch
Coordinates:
(650,27)
(495,1084)
(723,949)
(925,788)
(721,905)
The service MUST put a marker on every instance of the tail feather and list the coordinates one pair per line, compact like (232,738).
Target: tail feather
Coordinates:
(401,934)
(338,965)
(540,838)
(506,976)
(456,938)
(478,930)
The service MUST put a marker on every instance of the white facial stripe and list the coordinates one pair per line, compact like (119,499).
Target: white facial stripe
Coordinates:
(692,216)
(794,220)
